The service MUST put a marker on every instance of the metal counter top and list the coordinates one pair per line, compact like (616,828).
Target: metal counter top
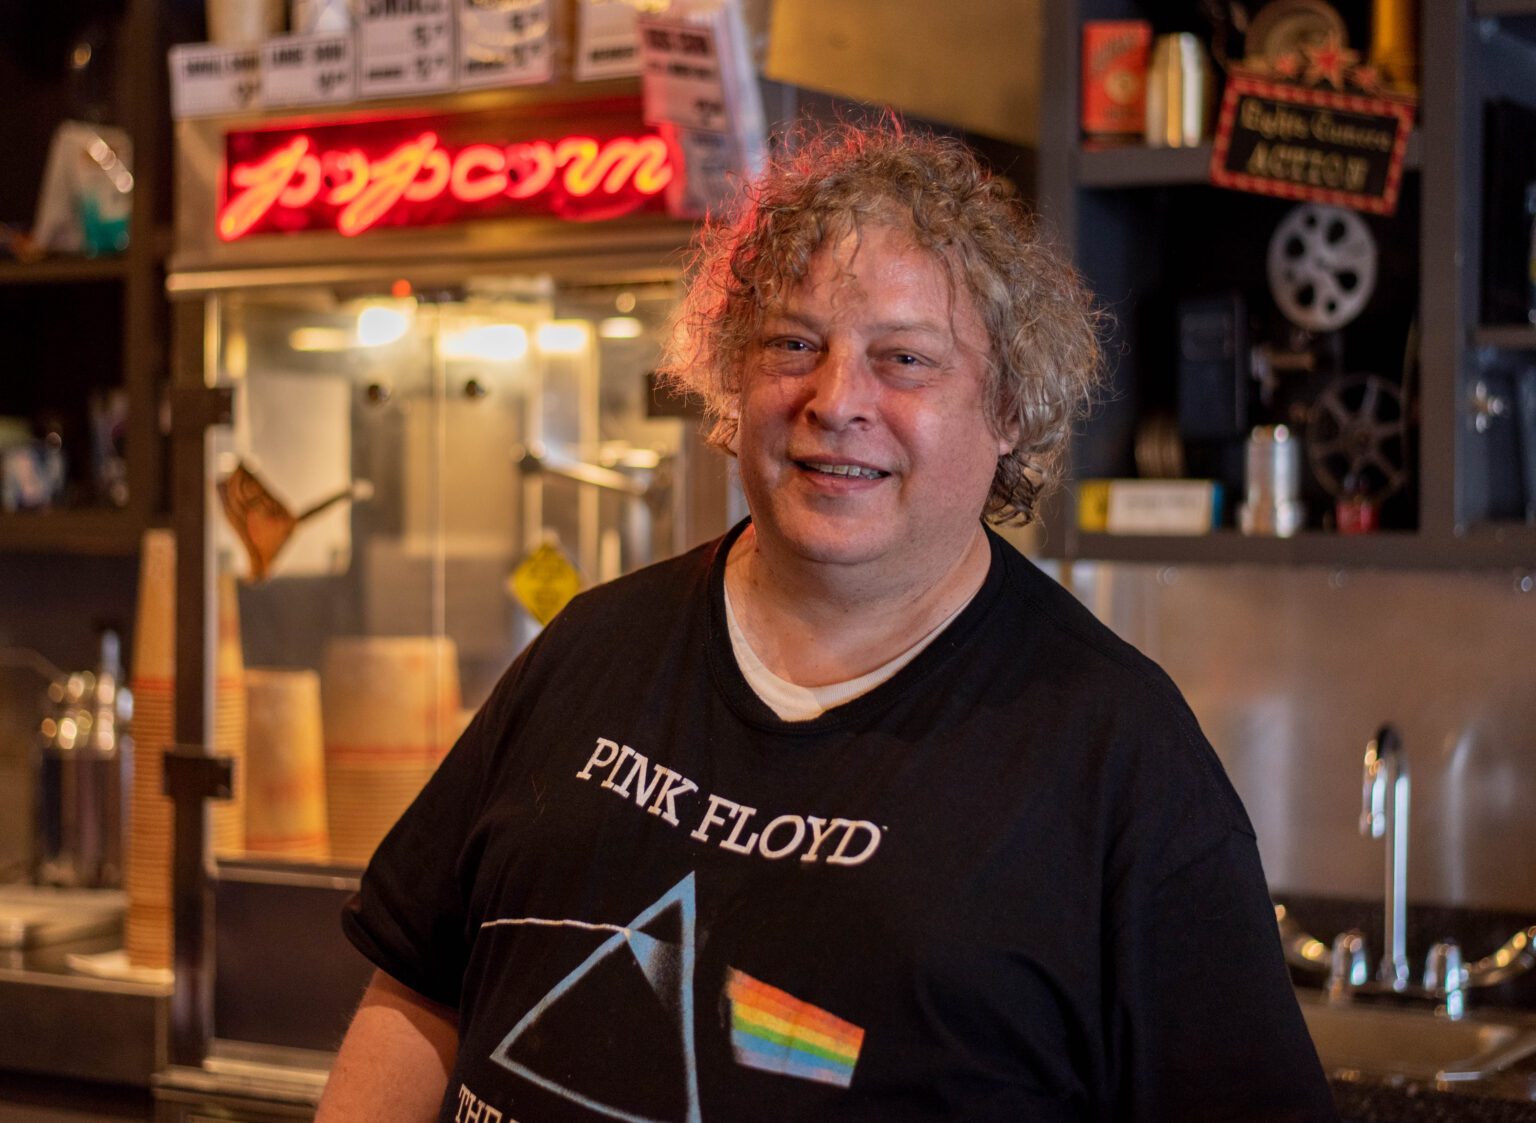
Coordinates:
(62,1023)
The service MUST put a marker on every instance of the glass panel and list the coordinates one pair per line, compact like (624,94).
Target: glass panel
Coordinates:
(395,459)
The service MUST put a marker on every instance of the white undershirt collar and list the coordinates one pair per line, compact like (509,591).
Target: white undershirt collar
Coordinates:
(792,702)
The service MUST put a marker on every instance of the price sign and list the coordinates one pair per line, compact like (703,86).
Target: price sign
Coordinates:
(308,70)
(607,44)
(404,47)
(207,81)
(681,67)
(504,43)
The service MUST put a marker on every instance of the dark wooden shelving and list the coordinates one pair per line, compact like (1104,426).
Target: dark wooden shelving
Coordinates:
(1505,337)
(1125,210)
(1136,165)
(1516,17)
(99,531)
(1496,9)
(64,271)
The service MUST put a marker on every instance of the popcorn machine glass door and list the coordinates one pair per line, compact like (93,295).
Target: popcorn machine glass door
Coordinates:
(415,481)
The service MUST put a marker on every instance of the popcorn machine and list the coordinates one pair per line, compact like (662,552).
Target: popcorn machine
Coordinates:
(414,410)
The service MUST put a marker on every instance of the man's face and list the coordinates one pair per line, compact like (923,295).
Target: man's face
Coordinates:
(863,438)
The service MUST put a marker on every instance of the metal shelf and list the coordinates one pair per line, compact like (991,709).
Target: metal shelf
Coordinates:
(1494,546)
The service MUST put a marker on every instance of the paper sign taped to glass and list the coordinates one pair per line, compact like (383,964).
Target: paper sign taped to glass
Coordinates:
(284,470)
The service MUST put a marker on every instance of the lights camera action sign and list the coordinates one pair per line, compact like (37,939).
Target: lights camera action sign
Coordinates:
(1277,135)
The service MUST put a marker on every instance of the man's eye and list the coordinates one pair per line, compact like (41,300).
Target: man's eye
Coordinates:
(788,344)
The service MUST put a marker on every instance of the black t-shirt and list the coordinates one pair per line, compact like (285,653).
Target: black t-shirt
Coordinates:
(1011,882)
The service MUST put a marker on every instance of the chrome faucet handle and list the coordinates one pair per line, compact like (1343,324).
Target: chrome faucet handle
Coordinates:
(1514,958)
(1348,965)
(1445,975)
(1301,949)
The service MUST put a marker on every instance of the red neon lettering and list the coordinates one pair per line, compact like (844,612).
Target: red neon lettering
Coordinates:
(530,168)
(263,183)
(388,180)
(577,154)
(306,183)
(437,167)
(348,172)
(293,177)
(476,159)
(642,162)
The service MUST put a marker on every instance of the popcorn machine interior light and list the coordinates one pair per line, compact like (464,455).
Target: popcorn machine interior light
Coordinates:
(361,175)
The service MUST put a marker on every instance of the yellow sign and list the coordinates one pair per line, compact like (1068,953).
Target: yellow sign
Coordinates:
(544,582)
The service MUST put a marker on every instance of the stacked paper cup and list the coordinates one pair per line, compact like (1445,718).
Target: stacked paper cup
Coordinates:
(147,877)
(285,765)
(391,706)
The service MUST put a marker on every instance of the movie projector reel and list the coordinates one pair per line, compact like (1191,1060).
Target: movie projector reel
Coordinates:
(1322,267)
(1322,274)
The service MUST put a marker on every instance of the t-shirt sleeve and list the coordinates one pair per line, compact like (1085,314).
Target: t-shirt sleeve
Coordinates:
(1209,1024)
(410,916)
(1204,1023)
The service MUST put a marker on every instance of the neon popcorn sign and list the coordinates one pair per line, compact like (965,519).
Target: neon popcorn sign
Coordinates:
(365,176)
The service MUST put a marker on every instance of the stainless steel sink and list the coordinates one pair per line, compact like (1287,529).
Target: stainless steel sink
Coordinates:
(1413,1043)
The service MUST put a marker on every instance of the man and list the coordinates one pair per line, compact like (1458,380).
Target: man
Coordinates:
(853,814)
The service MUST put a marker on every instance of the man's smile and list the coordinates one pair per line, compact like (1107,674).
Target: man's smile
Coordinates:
(838,468)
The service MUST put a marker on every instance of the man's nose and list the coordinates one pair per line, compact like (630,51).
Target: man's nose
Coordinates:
(842,389)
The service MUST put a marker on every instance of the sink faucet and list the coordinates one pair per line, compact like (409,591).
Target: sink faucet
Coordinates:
(1385,815)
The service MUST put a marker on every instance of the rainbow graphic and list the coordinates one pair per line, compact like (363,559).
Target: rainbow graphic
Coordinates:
(776,1032)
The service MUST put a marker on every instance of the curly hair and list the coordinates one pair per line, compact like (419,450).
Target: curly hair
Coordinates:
(1045,361)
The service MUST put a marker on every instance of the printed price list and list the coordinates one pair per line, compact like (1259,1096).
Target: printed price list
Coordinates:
(404,47)
(207,81)
(308,70)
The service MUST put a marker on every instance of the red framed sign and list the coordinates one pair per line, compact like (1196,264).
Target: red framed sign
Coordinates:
(361,175)
(1312,144)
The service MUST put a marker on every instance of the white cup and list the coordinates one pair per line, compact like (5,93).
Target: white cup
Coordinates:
(316,17)
(243,23)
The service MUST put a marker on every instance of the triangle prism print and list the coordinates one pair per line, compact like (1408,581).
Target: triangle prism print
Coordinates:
(644,969)
(643,975)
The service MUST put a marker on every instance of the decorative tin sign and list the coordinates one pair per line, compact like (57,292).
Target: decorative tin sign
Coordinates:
(1309,142)
(1114,70)
(358,175)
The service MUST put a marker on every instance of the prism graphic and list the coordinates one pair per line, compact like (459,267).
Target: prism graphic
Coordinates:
(628,1007)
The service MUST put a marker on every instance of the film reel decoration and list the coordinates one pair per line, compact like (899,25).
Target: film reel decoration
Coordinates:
(1321,266)
(1357,437)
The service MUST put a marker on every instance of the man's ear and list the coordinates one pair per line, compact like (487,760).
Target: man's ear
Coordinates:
(1007,430)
